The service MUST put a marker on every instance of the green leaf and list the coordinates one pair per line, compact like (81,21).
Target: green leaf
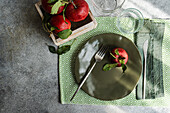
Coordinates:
(52,49)
(108,67)
(117,52)
(64,34)
(51,1)
(64,13)
(63,49)
(112,55)
(55,7)
(54,28)
(45,21)
(124,67)
(122,61)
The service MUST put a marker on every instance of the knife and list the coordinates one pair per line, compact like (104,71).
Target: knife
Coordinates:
(145,49)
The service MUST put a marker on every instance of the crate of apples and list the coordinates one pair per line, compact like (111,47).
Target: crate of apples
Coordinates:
(65,19)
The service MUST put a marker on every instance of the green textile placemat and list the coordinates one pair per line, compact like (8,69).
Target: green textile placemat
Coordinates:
(68,84)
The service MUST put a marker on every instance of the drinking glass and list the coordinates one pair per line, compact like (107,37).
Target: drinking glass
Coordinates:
(130,21)
(106,7)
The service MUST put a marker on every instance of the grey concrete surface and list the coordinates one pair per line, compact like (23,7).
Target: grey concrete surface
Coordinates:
(29,72)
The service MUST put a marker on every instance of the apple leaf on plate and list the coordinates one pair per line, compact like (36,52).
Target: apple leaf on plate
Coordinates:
(117,52)
(108,67)
(122,61)
(123,67)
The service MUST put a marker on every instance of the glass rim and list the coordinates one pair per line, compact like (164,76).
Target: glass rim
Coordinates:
(103,10)
(131,10)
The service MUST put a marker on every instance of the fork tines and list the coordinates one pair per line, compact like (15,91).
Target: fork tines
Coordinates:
(102,50)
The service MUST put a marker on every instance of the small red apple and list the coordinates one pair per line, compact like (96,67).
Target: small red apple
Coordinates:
(119,59)
(58,22)
(77,11)
(48,6)
(121,56)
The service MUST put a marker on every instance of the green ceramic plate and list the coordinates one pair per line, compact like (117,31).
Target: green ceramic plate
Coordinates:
(108,85)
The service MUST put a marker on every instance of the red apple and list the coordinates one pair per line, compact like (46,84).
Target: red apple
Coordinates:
(77,11)
(119,59)
(47,6)
(121,56)
(58,22)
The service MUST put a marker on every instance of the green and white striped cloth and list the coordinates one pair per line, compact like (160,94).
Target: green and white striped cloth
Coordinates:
(68,84)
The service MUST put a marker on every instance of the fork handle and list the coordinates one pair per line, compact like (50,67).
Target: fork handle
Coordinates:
(85,78)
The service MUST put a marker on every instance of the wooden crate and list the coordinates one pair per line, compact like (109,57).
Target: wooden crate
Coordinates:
(78,28)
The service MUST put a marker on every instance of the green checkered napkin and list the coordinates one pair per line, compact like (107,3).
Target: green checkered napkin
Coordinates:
(68,84)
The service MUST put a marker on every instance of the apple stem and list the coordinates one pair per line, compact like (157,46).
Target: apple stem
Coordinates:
(74,4)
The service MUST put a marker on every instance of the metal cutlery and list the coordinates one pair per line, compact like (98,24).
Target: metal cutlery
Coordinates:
(145,49)
(98,57)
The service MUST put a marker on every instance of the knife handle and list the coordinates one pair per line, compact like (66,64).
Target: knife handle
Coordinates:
(145,48)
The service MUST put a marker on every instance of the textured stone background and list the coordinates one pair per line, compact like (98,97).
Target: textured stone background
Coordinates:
(29,73)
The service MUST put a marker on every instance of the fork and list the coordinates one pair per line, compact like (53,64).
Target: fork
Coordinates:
(98,57)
